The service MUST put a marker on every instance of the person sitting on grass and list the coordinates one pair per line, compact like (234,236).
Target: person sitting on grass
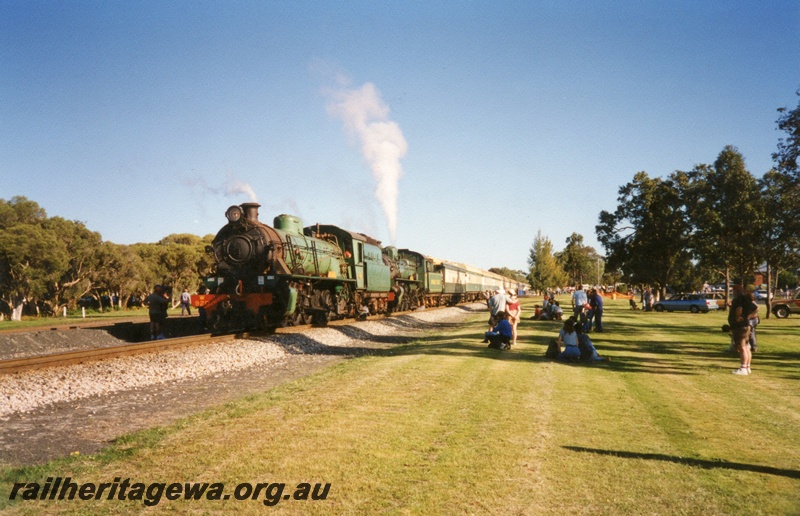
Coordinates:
(568,341)
(554,312)
(500,336)
(588,351)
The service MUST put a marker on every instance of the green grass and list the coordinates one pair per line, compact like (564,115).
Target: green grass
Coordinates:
(447,426)
(73,317)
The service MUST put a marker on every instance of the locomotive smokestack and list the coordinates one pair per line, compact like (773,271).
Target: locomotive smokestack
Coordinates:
(251,211)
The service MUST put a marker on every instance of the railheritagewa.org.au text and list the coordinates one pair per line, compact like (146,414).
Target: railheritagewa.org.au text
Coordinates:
(150,494)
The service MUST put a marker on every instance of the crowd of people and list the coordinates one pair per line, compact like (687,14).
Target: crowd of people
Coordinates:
(573,343)
(504,314)
(587,309)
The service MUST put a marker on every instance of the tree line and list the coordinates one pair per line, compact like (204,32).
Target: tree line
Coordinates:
(49,263)
(716,221)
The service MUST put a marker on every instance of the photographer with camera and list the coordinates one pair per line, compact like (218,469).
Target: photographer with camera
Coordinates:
(158,303)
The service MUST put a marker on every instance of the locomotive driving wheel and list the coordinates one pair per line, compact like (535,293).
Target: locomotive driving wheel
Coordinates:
(324,308)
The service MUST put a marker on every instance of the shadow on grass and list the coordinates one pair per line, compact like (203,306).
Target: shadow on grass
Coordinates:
(701,463)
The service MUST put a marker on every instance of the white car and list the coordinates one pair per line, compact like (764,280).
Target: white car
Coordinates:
(761,295)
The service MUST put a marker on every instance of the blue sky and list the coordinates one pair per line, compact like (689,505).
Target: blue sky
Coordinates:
(486,122)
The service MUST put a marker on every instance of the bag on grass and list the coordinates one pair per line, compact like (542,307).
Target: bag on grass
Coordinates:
(552,350)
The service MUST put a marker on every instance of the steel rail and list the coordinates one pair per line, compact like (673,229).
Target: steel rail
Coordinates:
(16,365)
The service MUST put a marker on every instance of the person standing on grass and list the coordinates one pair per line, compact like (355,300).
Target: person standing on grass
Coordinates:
(754,321)
(497,305)
(157,304)
(514,311)
(596,301)
(647,299)
(186,303)
(579,299)
(742,309)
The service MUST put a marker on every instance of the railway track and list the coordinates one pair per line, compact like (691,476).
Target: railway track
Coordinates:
(15,365)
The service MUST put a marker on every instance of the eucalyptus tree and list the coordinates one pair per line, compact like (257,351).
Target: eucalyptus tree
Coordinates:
(20,210)
(82,247)
(32,258)
(647,236)
(509,273)
(177,261)
(31,261)
(780,190)
(544,269)
(122,272)
(727,214)
(780,232)
(788,154)
(578,261)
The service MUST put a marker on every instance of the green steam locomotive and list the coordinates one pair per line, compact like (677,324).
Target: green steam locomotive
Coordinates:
(285,274)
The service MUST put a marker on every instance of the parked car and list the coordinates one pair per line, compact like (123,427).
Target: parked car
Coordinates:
(761,295)
(783,307)
(718,297)
(687,302)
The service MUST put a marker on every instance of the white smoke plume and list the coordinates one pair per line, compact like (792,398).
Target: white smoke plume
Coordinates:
(231,188)
(383,145)
(235,187)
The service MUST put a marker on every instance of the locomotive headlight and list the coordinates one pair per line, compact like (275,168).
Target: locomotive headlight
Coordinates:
(239,249)
(234,214)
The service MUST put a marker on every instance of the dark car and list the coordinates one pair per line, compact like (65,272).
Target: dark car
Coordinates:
(687,303)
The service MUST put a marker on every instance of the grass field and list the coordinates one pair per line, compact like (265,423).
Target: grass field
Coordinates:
(447,426)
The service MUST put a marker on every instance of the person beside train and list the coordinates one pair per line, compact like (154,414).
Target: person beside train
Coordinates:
(500,336)
(157,305)
(497,305)
(186,303)
(514,311)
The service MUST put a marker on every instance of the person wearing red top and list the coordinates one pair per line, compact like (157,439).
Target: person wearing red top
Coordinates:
(514,311)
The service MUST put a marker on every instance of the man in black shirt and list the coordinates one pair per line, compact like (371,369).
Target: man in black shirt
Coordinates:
(157,302)
(742,309)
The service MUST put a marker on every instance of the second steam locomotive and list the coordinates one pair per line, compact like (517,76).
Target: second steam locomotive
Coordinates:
(286,274)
